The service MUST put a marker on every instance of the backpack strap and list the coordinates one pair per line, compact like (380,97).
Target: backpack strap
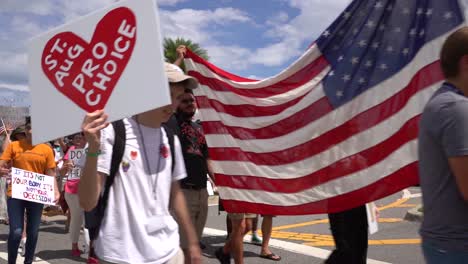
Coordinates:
(94,217)
(170,137)
(118,150)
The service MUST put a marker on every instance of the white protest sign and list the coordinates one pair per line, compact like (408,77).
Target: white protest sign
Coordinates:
(372,218)
(33,187)
(75,156)
(111,59)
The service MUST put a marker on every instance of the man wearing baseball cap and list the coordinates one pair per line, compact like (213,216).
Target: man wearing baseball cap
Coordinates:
(137,226)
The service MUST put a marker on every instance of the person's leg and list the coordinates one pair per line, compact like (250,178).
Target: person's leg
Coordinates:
(255,239)
(33,217)
(191,198)
(16,216)
(267,227)
(3,206)
(228,227)
(76,221)
(359,234)
(349,230)
(235,245)
(202,215)
(338,228)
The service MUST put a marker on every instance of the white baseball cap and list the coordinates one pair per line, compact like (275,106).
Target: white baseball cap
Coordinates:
(175,75)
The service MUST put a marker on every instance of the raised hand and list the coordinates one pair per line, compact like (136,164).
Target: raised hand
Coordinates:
(92,125)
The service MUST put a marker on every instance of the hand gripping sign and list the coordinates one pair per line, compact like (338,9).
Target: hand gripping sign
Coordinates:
(110,60)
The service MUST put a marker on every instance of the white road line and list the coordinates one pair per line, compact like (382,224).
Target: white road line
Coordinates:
(289,246)
(20,259)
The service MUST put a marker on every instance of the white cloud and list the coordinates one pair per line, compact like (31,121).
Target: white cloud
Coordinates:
(38,7)
(19,87)
(73,9)
(169,2)
(314,17)
(195,24)
(229,57)
(24,26)
(13,68)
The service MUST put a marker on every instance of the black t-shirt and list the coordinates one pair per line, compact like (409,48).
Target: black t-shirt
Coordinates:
(195,151)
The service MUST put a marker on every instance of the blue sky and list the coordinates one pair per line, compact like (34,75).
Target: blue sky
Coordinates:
(251,38)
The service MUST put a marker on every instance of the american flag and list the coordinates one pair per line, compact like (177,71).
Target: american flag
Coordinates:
(337,128)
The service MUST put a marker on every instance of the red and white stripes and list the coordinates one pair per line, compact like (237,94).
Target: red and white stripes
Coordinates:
(279,147)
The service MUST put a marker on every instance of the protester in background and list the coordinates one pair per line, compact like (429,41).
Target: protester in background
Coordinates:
(137,226)
(73,173)
(36,158)
(195,151)
(443,158)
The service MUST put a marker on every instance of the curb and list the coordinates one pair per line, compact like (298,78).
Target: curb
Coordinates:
(415,214)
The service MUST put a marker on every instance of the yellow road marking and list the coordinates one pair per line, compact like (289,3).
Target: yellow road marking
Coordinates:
(406,205)
(394,204)
(327,240)
(382,242)
(325,221)
(322,221)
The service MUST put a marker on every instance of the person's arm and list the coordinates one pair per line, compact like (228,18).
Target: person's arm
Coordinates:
(181,211)
(90,185)
(52,170)
(454,130)
(459,167)
(63,146)
(4,170)
(210,169)
(181,50)
(5,166)
(53,173)
(6,142)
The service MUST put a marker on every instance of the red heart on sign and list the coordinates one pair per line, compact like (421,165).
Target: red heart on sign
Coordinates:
(87,73)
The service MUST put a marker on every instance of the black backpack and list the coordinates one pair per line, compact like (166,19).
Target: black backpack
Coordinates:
(93,218)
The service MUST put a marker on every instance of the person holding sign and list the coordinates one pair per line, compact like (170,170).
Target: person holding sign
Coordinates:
(73,173)
(137,226)
(39,158)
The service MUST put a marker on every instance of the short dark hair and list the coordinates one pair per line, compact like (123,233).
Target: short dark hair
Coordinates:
(454,48)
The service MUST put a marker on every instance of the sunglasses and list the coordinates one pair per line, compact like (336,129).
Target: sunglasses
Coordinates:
(187,101)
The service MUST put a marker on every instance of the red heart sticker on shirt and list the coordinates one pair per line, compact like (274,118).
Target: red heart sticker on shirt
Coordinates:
(133,155)
(85,72)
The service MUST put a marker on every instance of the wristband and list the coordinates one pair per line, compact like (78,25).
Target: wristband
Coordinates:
(93,154)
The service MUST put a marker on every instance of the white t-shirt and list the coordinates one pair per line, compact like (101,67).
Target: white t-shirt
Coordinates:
(137,226)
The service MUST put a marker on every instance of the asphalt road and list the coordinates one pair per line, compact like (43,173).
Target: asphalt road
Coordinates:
(297,239)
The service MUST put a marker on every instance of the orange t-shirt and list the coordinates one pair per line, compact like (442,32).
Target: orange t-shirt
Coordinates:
(38,158)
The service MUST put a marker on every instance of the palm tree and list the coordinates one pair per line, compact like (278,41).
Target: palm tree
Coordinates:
(171,45)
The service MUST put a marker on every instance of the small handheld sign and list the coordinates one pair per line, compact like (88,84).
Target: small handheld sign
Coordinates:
(33,187)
